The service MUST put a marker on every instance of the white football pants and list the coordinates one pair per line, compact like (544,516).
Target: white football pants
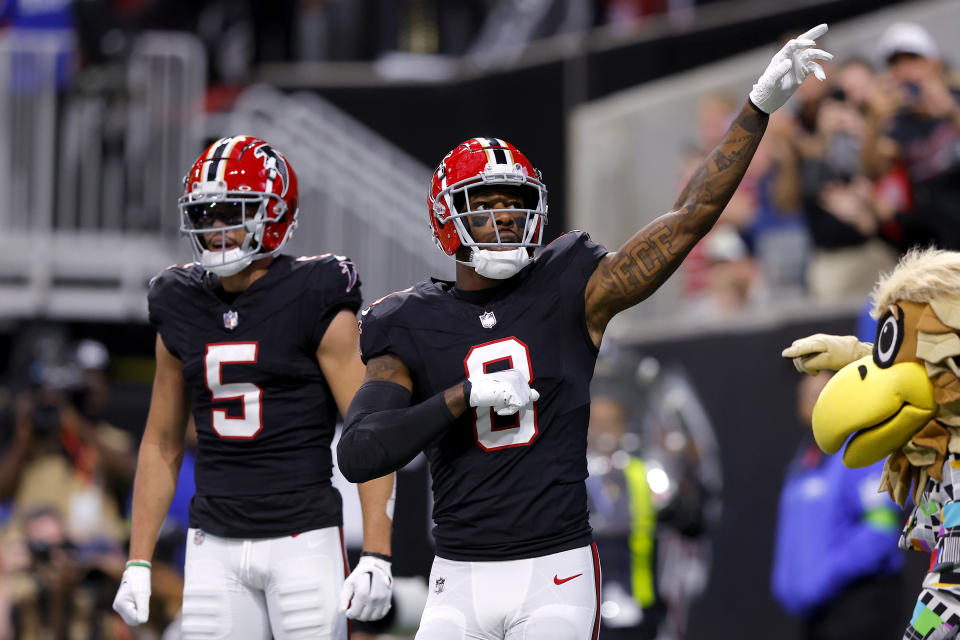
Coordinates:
(249,589)
(553,597)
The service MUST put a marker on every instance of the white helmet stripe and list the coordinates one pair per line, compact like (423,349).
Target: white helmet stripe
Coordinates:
(221,165)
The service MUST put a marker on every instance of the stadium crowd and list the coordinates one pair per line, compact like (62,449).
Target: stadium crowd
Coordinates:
(855,171)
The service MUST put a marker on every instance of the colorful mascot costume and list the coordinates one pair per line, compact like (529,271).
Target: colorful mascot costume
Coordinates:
(900,399)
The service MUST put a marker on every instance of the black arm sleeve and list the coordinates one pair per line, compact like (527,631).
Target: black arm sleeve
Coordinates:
(382,432)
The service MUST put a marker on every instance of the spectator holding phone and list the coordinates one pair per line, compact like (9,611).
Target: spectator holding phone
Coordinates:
(914,124)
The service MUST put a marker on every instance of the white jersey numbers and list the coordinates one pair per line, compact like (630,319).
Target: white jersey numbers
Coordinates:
(500,432)
(250,422)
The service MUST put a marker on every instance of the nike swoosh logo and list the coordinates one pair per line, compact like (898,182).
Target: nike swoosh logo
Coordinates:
(557,580)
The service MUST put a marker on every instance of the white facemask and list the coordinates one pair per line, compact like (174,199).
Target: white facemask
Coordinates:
(499,265)
(225,263)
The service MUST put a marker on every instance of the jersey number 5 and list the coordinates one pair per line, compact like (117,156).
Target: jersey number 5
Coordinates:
(500,432)
(251,419)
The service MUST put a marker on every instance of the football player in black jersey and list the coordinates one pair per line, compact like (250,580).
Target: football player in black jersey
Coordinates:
(262,349)
(490,374)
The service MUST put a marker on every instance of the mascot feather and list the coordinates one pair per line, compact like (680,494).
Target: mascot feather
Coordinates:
(899,399)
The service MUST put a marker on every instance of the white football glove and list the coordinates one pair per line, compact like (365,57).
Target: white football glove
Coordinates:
(366,592)
(505,391)
(787,70)
(133,596)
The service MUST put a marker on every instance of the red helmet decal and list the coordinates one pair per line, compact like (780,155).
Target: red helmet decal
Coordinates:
(273,160)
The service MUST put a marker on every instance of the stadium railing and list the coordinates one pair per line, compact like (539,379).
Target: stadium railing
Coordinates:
(360,195)
(91,166)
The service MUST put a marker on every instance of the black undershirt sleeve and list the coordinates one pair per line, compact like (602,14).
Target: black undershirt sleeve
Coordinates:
(382,432)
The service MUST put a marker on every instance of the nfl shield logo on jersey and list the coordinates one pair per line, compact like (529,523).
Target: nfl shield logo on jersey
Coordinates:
(438,585)
(198,537)
(488,320)
(230,319)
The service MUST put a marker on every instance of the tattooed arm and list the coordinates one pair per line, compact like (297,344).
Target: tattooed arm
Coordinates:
(624,278)
(645,261)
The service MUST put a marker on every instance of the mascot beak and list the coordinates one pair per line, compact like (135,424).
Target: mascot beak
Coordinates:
(881,408)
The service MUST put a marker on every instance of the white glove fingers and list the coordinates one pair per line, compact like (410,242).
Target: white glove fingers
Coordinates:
(534,395)
(782,68)
(814,33)
(370,586)
(132,601)
(367,612)
(818,54)
(143,613)
(817,71)
(346,594)
(508,410)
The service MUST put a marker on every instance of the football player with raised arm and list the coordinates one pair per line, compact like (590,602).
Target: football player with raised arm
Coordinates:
(490,374)
(261,347)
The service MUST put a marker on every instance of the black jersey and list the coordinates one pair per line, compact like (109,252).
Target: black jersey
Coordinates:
(265,415)
(505,487)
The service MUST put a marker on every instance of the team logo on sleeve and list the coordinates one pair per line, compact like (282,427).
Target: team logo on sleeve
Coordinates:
(348,269)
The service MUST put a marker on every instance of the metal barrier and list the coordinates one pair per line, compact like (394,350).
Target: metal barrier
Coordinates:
(360,195)
(29,62)
(88,176)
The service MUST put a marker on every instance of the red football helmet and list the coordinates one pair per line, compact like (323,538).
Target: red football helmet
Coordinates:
(482,162)
(242,183)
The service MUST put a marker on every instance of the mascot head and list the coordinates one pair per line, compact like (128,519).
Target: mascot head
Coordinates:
(903,401)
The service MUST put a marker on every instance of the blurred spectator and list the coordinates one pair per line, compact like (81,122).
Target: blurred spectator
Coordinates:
(59,589)
(623,519)
(332,30)
(63,456)
(67,472)
(775,229)
(764,212)
(914,123)
(732,279)
(836,561)
(512,24)
(48,24)
(426,26)
(839,201)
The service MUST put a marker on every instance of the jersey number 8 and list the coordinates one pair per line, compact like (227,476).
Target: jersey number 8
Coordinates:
(498,432)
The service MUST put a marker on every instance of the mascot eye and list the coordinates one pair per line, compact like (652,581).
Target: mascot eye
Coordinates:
(889,338)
